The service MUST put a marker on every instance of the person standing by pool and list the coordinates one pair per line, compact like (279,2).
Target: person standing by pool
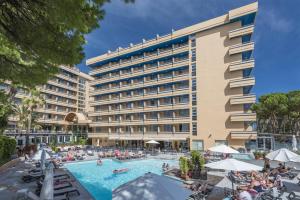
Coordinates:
(267,166)
(99,162)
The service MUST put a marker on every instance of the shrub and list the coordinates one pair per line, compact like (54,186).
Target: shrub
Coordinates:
(7,147)
(183,164)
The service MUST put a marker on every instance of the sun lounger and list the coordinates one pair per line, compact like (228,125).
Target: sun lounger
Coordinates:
(32,177)
(25,193)
(66,191)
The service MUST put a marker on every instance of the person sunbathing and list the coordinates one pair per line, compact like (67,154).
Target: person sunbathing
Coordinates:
(279,170)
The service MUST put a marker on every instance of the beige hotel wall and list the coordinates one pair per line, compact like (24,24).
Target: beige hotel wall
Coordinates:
(213,92)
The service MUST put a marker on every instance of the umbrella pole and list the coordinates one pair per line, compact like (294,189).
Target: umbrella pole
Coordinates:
(232,187)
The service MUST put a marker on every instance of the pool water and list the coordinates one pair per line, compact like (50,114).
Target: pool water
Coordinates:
(100,181)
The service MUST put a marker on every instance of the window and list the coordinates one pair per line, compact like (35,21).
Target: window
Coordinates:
(183,99)
(247,72)
(194,69)
(194,113)
(193,42)
(184,127)
(193,55)
(246,38)
(194,99)
(194,85)
(246,55)
(168,128)
(197,145)
(183,113)
(168,114)
(194,128)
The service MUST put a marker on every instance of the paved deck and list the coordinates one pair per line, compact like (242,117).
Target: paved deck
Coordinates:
(11,182)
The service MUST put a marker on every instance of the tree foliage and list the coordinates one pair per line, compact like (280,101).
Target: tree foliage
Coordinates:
(278,112)
(25,112)
(37,36)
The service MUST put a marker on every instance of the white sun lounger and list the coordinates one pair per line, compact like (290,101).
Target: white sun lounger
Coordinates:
(25,193)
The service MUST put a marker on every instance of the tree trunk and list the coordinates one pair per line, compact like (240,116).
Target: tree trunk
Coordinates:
(28,127)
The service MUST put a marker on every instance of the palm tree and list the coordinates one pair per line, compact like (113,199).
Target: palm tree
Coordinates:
(25,112)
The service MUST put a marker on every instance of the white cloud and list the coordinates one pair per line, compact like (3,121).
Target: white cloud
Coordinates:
(275,21)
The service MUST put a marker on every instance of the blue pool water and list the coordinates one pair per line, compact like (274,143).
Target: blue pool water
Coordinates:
(100,181)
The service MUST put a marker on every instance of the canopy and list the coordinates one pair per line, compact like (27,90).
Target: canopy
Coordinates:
(296,159)
(223,149)
(38,155)
(233,165)
(281,155)
(151,187)
(47,188)
(152,142)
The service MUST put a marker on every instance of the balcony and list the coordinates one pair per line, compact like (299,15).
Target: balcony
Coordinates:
(54,92)
(61,103)
(140,60)
(159,81)
(64,77)
(246,135)
(243,117)
(246,99)
(97,135)
(234,66)
(241,31)
(51,82)
(141,122)
(164,136)
(242,82)
(177,92)
(141,109)
(239,48)
(143,72)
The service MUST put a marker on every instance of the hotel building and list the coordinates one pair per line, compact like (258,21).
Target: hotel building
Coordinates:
(188,89)
(63,117)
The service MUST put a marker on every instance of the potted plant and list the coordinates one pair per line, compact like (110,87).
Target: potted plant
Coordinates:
(203,171)
(256,154)
(183,164)
(195,159)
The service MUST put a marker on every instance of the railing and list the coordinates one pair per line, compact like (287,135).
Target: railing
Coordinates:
(146,83)
(140,97)
(145,71)
(133,61)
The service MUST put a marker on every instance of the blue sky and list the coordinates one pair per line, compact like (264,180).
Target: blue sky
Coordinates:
(277,33)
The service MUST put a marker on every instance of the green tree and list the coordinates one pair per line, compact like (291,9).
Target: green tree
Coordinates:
(293,117)
(27,117)
(271,110)
(37,36)
(6,107)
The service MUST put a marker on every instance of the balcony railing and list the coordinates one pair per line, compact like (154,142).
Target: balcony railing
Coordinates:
(145,71)
(245,99)
(242,82)
(142,97)
(142,59)
(239,48)
(145,84)
(243,117)
(249,135)
(241,65)
(241,31)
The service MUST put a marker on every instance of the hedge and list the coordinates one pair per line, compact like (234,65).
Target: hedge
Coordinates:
(7,147)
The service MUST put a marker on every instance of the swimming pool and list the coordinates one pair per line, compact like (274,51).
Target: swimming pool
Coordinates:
(100,181)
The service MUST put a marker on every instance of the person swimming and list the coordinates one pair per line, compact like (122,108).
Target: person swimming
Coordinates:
(99,162)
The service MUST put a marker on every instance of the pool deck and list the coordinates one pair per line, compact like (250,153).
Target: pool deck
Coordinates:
(10,183)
